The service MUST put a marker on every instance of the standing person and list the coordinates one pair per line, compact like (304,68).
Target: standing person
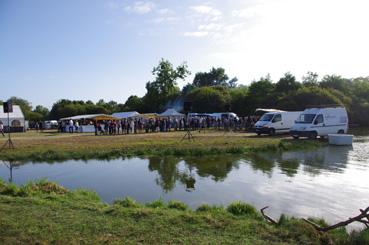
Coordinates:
(2,128)
(71,128)
(132,126)
(77,126)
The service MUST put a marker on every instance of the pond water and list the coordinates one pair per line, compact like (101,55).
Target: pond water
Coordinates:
(331,182)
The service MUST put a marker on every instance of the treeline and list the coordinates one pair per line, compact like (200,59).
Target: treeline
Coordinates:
(214,91)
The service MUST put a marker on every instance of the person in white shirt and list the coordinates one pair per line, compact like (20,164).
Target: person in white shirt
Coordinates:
(71,126)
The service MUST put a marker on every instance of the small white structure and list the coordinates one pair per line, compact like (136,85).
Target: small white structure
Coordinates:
(16,119)
(126,114)
(340,139)
(171,113)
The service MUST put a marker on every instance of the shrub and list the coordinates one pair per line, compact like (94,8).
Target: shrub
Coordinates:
(156,204)
(174,204)
(209,208)
(127,202)
(240,208)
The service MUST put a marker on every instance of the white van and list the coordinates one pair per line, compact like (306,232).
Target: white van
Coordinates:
(228,115)
(315,122)
(276,122)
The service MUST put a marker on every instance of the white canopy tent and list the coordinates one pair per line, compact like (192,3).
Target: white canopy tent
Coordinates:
(16,119)
(126,114)
(171,113)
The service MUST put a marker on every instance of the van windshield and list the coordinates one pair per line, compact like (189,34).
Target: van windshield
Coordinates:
(266,117)
(305,118)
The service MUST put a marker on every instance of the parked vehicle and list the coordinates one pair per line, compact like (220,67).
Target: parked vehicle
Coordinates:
(315,122)
(276,122)
(222,115)
(52,124)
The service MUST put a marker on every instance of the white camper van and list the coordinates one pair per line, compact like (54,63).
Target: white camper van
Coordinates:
(315,122)
(276,122)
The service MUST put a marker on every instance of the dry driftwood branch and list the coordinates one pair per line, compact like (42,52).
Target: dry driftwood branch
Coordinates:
(360,218)
(268,218)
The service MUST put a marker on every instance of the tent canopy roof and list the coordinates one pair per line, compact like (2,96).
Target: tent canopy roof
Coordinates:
(91,117)
(17,113)
(126,114)
(171,113)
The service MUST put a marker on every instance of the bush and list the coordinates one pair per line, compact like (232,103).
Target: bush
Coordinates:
(240,208)
(209,208)
(174,204)
(359,237)
(127,202)
(156,204)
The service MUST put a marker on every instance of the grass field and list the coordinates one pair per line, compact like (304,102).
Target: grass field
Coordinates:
(45,213)
(53,146)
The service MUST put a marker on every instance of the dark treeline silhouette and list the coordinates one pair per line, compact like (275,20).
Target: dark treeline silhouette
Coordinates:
(213,91)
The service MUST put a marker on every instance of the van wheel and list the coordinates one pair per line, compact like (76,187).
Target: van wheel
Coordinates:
(341,131)
(271,131)
(295,137)
(259,134)
(313,135)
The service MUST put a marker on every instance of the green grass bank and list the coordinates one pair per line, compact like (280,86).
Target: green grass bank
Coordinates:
(45,213)
(48,146)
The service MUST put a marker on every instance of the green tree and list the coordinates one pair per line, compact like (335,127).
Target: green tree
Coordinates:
(35,117)
(209,99)
(164,88)
(306,97)
(215,77)
(335,82)
(260,93)
(239,100)
(286,84)
(25,106)
(43,111)
(310,79)
(133,103)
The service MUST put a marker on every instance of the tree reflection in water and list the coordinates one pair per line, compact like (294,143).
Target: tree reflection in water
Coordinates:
(169,173)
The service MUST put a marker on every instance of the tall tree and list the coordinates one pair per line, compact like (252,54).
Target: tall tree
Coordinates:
(286,84)
(164,87)
(310,79)
(25,106)
(215,77)
(133,103)
(43,111)
(335,82)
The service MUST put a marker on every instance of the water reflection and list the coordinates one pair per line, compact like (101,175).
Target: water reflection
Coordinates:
(318,183)
(185,171)
(169,170)
(11,166)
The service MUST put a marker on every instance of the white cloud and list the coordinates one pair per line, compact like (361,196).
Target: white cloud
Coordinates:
(211,27)
(204,9)
(165,11)
(206,12)
(165,19)
(195,34)
(140,7)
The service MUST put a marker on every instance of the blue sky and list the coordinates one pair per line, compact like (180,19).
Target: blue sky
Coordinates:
(92,49)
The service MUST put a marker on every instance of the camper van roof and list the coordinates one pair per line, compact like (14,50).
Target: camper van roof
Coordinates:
(267,110)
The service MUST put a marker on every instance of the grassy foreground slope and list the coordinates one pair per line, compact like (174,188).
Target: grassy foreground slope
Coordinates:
(44,213)
(33,146)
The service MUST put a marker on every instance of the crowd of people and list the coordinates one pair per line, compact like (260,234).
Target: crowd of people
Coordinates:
(160,124)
